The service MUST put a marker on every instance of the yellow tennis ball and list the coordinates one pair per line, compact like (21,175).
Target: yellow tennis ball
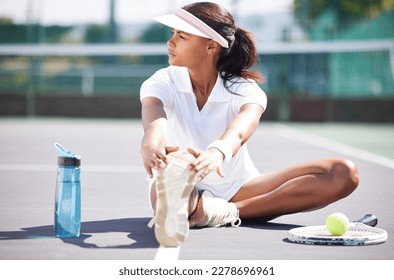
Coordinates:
(337,224)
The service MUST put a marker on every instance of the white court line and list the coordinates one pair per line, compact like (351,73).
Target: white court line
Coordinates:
(87,168)
(167,253)
(325,143)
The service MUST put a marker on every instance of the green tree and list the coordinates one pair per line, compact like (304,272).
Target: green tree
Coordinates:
(347,11)
(95,33)
(30,33)
(6,20)
(155,33)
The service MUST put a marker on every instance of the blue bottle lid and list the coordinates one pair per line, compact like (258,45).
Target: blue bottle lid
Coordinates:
(68,161)
(66,157)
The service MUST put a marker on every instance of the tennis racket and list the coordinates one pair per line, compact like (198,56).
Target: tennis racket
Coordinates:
(360,232)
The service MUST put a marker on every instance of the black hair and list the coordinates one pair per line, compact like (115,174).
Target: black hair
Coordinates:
(241,54)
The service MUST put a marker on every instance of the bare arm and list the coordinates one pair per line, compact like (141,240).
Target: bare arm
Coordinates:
(236,134)
(243,126)
(154,122)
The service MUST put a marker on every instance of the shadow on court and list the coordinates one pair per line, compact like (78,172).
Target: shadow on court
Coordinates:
(264,225)
(138,235)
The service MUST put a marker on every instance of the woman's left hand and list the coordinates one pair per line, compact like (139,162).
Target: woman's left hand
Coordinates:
(206,161)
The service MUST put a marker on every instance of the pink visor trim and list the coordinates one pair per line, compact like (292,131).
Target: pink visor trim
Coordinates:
(187,22)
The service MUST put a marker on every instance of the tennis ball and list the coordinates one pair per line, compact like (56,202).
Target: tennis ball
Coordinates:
(337,224)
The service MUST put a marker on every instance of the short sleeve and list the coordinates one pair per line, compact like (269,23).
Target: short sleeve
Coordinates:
(157,86)
(249,93)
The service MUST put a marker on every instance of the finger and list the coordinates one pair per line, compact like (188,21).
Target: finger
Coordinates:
(149,171)
(171,149)
(194,152)
(220,172)
(201,165)
(159,160)
(203,174)
(160,156)
(160,164)
(154,165)
(196,165)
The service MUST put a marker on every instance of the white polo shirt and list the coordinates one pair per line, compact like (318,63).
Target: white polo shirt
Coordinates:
(190,127)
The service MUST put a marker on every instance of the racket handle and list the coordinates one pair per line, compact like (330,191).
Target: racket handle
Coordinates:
(369,220)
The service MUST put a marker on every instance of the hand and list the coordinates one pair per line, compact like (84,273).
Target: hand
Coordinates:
(155,157)
(206,161)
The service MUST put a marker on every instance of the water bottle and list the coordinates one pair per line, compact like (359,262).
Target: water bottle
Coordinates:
(68,194)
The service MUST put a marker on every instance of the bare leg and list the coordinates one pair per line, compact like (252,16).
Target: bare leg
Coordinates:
(300,188)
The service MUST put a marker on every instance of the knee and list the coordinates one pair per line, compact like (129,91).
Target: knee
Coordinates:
(345,175)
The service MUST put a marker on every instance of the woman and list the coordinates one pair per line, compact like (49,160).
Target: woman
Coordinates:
(197,116)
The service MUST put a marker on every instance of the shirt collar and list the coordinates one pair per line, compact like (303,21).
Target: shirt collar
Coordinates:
(183,84)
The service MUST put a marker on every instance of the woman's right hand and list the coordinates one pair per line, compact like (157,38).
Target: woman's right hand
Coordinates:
(155,157)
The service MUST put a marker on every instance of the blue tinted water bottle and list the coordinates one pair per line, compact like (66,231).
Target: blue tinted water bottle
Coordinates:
(68,194)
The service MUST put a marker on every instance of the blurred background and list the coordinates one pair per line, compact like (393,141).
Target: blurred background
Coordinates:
(323,61)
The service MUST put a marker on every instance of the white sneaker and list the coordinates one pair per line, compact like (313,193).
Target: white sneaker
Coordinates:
(218,212)
(174,185)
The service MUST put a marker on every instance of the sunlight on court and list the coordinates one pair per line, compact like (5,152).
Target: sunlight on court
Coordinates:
(373,137)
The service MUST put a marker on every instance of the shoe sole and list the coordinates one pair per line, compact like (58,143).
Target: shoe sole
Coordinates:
(174,185)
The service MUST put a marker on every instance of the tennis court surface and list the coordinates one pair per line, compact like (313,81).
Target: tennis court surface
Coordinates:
(115,206)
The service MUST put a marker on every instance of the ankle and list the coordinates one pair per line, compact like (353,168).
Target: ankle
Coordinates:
(234,209)
(193,202)
(198,214)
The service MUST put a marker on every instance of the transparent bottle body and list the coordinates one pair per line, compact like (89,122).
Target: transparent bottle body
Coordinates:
(68,202)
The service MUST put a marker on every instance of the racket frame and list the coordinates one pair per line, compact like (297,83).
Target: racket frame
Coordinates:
(323,237)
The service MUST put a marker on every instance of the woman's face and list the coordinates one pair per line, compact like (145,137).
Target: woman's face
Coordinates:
(187,50)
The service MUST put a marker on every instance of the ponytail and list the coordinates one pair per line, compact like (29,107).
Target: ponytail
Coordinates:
(238,58)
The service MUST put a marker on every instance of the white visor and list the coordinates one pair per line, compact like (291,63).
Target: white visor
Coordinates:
(184,21)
